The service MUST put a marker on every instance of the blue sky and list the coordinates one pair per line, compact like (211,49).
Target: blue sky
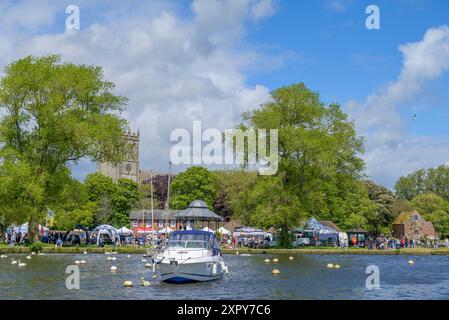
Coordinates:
(180,61)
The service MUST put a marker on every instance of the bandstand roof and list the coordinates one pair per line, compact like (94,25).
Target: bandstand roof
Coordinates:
(198,210)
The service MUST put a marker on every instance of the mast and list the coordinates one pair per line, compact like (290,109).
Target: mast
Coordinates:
(167,204)
(152,209)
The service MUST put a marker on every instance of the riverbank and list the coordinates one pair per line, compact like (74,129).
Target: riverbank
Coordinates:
(318,250)
(407,251)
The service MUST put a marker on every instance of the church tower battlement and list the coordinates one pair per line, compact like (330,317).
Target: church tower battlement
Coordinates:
(129,168)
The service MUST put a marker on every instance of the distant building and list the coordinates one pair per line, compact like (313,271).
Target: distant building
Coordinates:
(413,226)
(140,220)
(129,168)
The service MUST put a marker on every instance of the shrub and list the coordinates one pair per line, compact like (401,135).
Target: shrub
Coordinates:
(36,246)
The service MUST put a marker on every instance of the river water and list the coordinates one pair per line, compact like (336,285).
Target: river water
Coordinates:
(304,277)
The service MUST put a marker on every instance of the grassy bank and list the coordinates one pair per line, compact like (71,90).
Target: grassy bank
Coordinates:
(317,250)
(89,249)
(323,250)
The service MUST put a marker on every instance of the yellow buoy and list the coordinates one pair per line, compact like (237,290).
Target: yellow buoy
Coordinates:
(337,266)
(275,271)
(128,256)
(237,252)
(275,260)
(267,260)
(291,258)
(85,252)
(411,262)
(330,265)
(83,261)
(148,265)
(127,284)
(113,269)
(77,262)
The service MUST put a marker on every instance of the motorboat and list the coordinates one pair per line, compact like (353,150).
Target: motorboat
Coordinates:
(190,256)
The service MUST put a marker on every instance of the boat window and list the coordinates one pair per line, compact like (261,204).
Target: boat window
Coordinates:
(197,245)
(176,244)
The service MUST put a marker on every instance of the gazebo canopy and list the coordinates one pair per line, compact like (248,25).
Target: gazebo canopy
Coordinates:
(198,210)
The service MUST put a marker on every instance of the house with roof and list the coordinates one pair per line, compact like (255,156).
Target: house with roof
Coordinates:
(413,226)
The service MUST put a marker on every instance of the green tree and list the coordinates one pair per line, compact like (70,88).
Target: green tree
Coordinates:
(145,191)
(318,155)
(270,204)
(435,209)
(124,199)
(114,200)
(232,186)
(432,180)
(388,207)
(67,220)
(53,114)
(412,185)
(192,184)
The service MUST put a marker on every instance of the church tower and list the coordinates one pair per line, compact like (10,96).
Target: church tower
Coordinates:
(129,168)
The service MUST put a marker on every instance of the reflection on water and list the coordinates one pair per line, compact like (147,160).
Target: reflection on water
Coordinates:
(305,277)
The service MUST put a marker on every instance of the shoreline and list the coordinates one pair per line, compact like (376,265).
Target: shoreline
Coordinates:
(334,251)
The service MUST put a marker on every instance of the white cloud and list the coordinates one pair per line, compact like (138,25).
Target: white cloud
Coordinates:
(174,69)
(391,150)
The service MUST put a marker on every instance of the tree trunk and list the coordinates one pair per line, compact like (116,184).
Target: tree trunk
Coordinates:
(33,229)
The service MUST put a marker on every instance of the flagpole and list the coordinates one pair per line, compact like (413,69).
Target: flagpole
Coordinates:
(167,205)
(152,209)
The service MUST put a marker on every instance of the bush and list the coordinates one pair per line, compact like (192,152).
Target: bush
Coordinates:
(36,246)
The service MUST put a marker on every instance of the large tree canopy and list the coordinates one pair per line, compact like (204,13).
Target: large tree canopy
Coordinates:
(435,209)
(423,181)
(319,164)
(192,184)
(53,114)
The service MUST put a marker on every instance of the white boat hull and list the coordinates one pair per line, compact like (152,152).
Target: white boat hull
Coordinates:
(192,270)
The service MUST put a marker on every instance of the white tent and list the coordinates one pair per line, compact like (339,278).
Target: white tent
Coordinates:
(223,230)
(208,229)
(24,229)
(124,231)
(105,229)
(166,230)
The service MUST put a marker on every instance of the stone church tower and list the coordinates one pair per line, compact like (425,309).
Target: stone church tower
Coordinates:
(129,168)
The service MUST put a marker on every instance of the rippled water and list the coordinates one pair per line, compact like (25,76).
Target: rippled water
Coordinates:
(305,277)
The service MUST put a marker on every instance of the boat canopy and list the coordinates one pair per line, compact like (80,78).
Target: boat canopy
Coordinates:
(196,235)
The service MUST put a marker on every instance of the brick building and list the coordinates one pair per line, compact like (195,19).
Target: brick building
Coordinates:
(141,220)
(413,226)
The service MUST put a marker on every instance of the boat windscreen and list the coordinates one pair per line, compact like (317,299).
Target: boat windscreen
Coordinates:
(190,236)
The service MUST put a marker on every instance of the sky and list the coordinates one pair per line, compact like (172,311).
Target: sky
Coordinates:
(211,60)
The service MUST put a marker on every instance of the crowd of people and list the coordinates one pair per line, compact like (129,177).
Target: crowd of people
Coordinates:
(385,243)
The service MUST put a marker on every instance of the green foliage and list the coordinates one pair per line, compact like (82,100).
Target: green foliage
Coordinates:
(435,209)
(232,186)
(319,165)
(111,201)
(36,246)
(432,180)
(53,114)
(388,207)
(145,191)
(196,183)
